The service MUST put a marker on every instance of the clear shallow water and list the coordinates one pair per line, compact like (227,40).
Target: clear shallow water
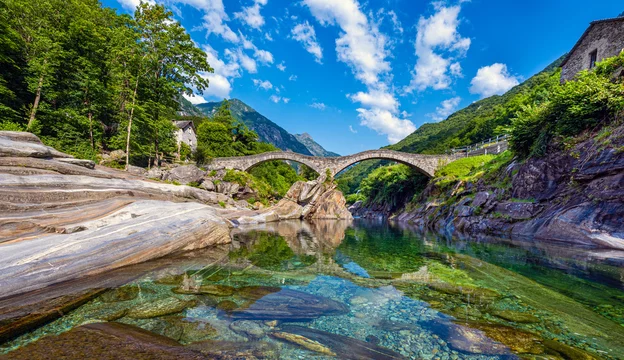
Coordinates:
(375,290)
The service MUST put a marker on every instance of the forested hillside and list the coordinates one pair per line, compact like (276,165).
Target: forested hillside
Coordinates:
(86,79)
(267,130)
(476,122)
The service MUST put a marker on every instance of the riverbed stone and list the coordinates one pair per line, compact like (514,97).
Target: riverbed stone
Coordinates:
(516,316)
(209,289)
(124,293)
(251,329)
(167,306)
(256,292)
(290,305)
(185,174)
(234,350)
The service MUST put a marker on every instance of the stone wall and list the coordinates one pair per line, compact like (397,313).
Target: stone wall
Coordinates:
(606,37)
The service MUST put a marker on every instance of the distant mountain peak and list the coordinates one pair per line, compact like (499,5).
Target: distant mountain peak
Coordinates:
(267,130)
(315,148)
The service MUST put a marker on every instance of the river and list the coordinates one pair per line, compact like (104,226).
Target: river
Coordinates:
(354,290)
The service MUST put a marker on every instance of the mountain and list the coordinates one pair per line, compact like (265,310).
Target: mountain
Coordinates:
(187,108)
(267,130)
(315,148)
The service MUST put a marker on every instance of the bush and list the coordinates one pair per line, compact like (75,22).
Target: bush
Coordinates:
(591,100)
(392,185)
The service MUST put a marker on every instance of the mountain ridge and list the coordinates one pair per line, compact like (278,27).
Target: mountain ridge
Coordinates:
(267,130)
(315,148)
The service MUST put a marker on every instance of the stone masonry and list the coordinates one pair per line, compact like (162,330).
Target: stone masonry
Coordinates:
(426,164)
(604,37)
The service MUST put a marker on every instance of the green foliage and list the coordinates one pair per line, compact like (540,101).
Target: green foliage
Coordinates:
(78,74)
(462,167)
(278,175)
(7,125)
(591,100)
(392,185)
(353,198)
(472,169)
(186,153)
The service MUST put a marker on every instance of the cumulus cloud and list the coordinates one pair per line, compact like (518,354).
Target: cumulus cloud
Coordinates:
(438,43)
(364,49)
(493,80)
(318,105)
(352,129)
(446,108)
(246,62)
(360,45)
(251,14)
(263,56)
(194,99)
(376,98)
(263,84)
(276,99)
(305,34)
(220,81)
(281,66)
(385,122)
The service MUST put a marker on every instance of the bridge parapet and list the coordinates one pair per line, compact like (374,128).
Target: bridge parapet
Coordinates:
(426,164)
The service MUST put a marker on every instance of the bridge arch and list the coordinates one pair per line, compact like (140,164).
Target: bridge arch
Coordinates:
(426,164)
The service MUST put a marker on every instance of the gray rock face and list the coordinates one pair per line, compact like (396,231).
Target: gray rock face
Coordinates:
(16,144)
(207,185)
(84,163)
(154,173)
(185,174)
(135,170)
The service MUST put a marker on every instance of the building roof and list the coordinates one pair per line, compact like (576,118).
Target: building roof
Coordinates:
(591,25)
(184,124)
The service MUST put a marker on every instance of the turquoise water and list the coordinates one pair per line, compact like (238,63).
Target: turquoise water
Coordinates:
(373,290)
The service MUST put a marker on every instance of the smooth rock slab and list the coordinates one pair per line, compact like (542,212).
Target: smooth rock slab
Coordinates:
(157,308)
(290,305)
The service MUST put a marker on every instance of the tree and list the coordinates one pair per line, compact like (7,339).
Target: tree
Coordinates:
(172,65)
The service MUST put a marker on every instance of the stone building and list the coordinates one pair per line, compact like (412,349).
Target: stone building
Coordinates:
(602,39)
(186,134)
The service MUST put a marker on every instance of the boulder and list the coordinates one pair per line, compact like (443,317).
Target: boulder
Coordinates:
(330,205)
(154,173)
(185,174)
(135,170)
(227,188)
(17,144)
(481,198)
(208,185)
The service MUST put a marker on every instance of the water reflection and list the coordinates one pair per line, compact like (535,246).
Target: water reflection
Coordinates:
(373,291)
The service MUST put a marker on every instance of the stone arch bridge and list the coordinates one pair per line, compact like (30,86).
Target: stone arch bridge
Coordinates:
(426,164)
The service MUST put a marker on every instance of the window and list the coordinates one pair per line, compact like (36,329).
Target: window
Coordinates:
(593,56)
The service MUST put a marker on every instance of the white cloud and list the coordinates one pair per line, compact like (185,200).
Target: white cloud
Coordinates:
(194,99)
(220,82)
(246,62)
(352,129)
(214,19)
(446,108)
(318,105)
(376,98)
(263,84)
(493,80)
(292,78)
(268,37)
(364,49)
(281,66)
(263,56)
(387,123)
(305,34)
(437,43)
(361,45)
(276,99)
(251,14)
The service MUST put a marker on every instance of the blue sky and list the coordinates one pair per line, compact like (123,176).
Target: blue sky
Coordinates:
(359,75)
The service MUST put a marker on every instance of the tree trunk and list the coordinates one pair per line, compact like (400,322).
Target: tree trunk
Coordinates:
(136,86)
(36,103)
(91,130)
(156,155)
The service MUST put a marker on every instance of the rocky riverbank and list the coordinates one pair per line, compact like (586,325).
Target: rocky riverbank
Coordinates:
(574,194)
(63,218)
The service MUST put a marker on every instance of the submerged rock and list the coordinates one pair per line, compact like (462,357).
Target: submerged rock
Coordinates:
(303,342)
(190,331)
(162,307)
(215,290)
(516,316)
(256,292)
(251,329)
(233,350)
(466,339)
(124,293)
(97,341)
(520,342)
(344,347)
(290,305)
